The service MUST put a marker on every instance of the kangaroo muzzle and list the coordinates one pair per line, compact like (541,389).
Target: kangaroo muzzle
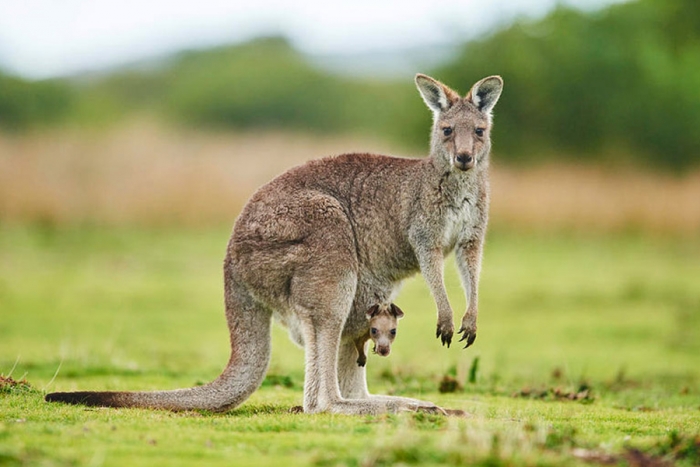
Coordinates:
(382,350)
(464,161)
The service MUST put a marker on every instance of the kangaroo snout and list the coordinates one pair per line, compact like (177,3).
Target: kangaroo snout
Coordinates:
(464,161)
(383,350)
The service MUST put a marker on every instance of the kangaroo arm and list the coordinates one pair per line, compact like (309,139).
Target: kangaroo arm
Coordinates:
(360,346)
(431,263)
(468,257)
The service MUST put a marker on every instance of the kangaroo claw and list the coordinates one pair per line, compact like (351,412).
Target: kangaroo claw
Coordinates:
(469,336)
(445,335)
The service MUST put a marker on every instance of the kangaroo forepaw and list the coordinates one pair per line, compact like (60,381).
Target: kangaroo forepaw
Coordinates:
(468,335)
(445,333)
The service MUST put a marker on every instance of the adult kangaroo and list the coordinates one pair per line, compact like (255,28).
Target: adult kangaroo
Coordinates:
(320,244)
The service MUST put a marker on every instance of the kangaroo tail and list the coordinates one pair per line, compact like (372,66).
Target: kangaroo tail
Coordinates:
(249,326)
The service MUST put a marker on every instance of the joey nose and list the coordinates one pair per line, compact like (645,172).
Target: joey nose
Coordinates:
(383,351)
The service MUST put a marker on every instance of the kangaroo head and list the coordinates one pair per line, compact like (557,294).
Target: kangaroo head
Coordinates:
(382,326)
(461,131)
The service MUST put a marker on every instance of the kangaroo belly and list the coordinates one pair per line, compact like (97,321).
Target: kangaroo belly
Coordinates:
(459,224)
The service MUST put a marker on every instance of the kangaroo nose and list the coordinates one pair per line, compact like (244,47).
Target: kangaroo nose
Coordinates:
(464,161)
(464,158)
(383,351)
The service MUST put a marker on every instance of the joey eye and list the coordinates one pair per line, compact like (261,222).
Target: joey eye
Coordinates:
(479,131)
(393,332)
(373,331)
(447,131)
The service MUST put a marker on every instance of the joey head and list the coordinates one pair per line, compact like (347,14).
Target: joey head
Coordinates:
(383,321)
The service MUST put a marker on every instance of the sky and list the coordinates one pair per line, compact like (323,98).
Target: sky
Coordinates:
(49,38)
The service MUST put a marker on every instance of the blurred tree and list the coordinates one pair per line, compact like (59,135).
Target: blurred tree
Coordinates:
(264,83)
(267,83)
(622,82)
(102,100)
(24,103)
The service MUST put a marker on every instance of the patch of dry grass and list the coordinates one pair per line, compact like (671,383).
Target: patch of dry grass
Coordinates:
(596,199)
(144,174)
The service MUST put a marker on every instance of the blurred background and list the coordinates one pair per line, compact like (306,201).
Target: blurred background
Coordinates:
(121,113)
(132,132)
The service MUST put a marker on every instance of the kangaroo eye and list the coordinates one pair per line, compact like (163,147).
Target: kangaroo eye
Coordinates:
(373,330)
(447,131)
(479,131)
(393,332)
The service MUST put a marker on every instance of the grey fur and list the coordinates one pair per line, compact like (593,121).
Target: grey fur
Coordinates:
(320,244)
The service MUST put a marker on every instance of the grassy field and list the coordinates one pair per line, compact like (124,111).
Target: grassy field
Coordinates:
(588,347)
(588,352)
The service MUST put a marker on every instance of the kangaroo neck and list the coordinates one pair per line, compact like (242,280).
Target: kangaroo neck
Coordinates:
(452,183)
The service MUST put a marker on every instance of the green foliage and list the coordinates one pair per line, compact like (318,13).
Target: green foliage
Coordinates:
(267,84)
(593,84)
(620,84)
(10,386)
(106,99)
(261,84)
(24,103)
(473,370)
(679,447)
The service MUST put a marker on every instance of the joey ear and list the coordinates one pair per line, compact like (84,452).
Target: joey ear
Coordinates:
(396,311)
(372,312)
(436,95)
(485,93)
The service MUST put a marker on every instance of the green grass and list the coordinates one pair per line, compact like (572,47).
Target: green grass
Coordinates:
(610,321)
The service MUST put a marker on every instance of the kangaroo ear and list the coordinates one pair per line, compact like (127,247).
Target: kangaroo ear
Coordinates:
(372,312)
(436,95)
(396,311)
(485,93)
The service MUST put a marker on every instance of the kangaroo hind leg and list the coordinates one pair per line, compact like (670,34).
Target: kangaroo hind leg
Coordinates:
(322,309)
(322,300)
(352,380)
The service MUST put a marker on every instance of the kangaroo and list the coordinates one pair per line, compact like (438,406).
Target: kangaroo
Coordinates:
(318,245)
(382,330)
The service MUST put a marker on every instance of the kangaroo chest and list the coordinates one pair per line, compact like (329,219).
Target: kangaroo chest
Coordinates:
(463,213)
(458,224)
